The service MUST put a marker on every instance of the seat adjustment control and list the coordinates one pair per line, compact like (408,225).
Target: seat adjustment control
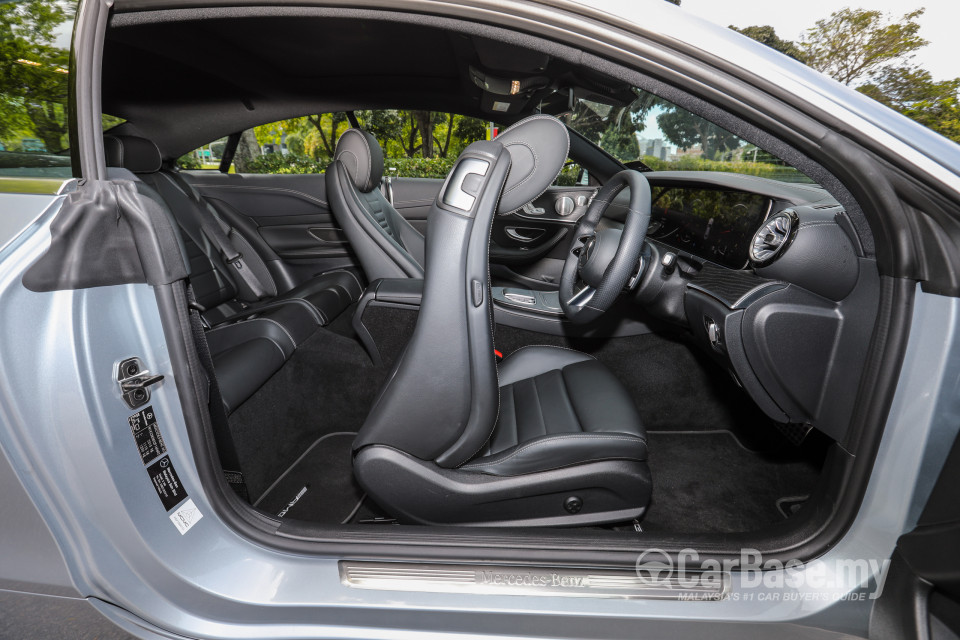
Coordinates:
(573,504)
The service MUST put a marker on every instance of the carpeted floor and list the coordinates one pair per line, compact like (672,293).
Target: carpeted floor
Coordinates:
(327,386)
(319,486)
(707,481)
(718,464)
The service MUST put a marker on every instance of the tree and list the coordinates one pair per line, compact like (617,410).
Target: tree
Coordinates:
(333,122)
(768,36)
(687,130)
(852,44)
(33,72)
(621,143)
(914,93)
(468,130)
(247,149)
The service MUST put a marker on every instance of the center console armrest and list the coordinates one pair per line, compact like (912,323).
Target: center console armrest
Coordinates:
(398,290)
(386,316)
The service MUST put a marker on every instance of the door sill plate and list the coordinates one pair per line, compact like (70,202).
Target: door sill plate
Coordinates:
(531,581)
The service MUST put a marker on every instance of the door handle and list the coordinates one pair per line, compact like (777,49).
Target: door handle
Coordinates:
(523,234)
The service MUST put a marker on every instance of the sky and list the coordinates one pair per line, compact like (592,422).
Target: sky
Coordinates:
(791,18)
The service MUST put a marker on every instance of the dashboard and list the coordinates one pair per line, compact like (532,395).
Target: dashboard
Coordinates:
(714,224)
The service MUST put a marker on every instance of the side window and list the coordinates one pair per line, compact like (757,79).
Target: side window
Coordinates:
(34,70)
(416,144)
(663,136)
(206,157)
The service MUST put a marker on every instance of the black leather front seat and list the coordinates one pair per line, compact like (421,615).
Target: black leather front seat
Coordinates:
(387,245)
(552,438)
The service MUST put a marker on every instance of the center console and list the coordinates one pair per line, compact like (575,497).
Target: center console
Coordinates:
(541,302)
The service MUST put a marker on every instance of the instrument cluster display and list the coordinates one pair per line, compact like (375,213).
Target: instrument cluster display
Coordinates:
(712,224)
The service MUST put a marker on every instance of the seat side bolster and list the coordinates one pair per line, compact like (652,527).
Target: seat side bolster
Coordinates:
(529,362)
(556,452)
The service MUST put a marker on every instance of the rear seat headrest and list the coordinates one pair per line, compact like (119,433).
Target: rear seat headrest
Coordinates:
(130,152)
(362,157)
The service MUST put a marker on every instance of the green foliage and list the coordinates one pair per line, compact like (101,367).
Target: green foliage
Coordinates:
(915,94)
(621,143)
(768,36)
(188,161)
(217,148)
(400,167)
(687,130)
(869,49)
(418,167)
(781,172)
(852,44)
(568,175)
(33,78)
(284,164)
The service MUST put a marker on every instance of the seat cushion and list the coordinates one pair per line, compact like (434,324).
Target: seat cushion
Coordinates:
(329,293)
(245,355)
(559,408)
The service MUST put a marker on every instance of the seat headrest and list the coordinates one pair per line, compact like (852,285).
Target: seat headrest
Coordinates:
(139,155)
(362,157)
(538,148)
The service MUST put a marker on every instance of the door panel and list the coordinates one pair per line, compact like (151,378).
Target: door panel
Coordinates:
(413,197)
(528,246)
(288,214)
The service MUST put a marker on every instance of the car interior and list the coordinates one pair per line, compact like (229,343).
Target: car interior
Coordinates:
(643,353)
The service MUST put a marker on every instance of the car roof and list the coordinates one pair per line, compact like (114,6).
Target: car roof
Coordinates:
(184,81)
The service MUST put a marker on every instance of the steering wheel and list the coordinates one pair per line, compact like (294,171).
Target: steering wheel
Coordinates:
(602,262)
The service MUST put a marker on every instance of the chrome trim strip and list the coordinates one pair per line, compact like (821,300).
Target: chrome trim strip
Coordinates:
(746,299)
(531,581)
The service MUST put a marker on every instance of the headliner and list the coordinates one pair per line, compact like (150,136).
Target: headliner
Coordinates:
(183,78)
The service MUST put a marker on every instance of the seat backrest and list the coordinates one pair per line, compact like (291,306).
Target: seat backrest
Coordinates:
(386,245)
(211,278)
(441,401)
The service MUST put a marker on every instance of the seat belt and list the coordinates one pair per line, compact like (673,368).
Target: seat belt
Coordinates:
(232,257)
(210,225)
(229,460)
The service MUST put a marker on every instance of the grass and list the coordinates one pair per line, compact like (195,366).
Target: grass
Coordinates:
(30,185)
(215,166)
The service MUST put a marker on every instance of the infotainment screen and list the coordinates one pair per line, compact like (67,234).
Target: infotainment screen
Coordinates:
(713,224)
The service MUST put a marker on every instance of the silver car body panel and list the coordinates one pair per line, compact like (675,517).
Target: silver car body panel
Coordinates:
(64,430)
(76,456)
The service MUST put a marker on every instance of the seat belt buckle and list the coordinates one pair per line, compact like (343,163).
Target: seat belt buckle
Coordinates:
(498,355)
(235,261)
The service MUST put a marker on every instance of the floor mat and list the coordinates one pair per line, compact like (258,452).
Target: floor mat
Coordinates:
(707,481)
(327,386)
(319,486)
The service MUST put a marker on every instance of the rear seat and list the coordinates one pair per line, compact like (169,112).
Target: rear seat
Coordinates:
(251,335)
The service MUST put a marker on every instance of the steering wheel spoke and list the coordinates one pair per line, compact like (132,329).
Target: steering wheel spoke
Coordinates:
(582,297)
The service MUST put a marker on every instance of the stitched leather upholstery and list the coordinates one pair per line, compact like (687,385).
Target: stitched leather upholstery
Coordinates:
(567,408)
(252,336)
(567,445)
(385,243)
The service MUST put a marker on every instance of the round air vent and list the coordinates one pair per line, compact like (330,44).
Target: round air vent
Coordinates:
(773,237)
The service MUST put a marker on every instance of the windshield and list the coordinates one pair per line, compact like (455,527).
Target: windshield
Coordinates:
(666,137)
